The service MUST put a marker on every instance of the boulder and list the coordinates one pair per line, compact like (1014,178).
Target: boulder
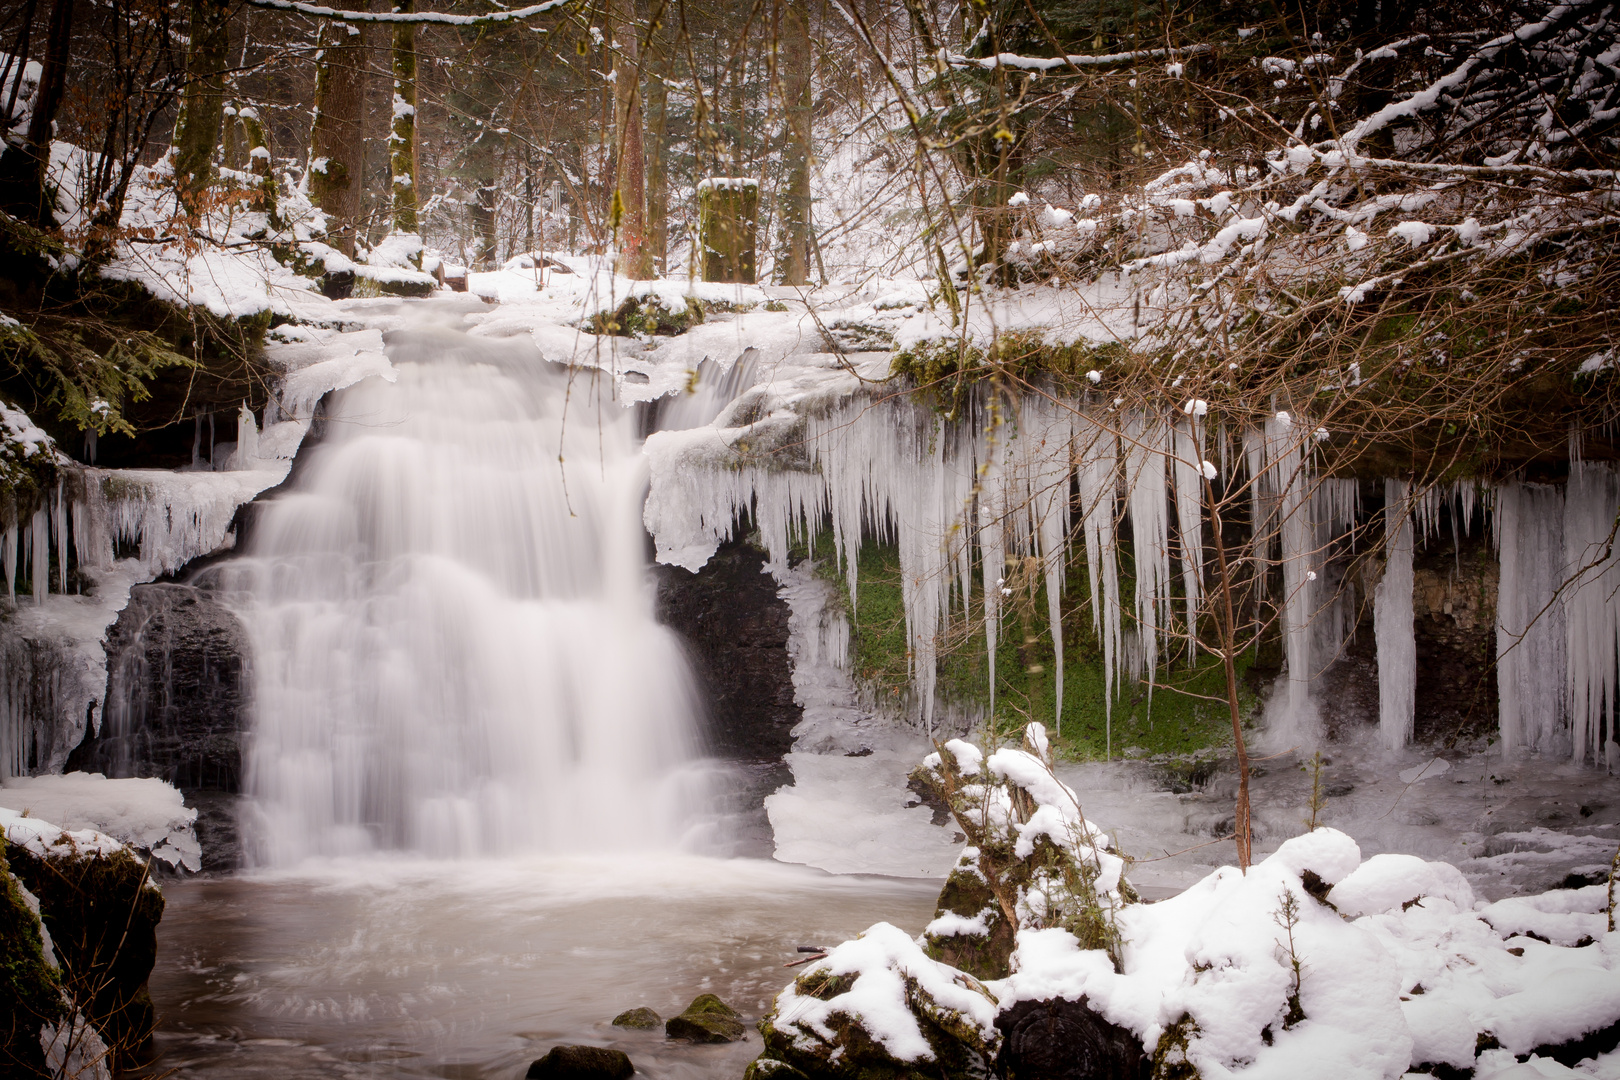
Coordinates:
(30,995)
(100,908)
(642,1018)
(706,1020)
(1066,1040)
(581,1063)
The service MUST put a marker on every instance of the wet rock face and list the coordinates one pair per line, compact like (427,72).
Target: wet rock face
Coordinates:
(177,692)
(1454,624)
(1066,1040)
(735,628)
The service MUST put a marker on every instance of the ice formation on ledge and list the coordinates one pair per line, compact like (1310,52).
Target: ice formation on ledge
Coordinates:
(896,471)
(1007,480)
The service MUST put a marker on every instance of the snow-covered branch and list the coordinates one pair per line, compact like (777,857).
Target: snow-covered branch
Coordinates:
(434,17)
(1049,63)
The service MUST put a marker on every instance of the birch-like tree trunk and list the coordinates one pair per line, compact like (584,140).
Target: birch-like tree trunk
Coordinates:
(793,258)
(630,188)
(336,139)
(402,138)
(202,108)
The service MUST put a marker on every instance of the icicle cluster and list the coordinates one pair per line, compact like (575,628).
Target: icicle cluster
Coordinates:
(1008,482)
(1558,614)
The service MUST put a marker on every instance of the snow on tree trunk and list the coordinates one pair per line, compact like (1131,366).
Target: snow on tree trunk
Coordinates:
(728,218)
(402,138)
(260,163)
(630,194)
(793,261)
(202,109)
(336,138)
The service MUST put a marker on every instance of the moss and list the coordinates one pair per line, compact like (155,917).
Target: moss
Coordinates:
(948,371)
(30,995)
(984,956)
(1170,1055)
(647,315)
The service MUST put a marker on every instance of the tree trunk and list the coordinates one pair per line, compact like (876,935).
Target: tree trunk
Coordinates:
(260,165)
(728,215)
(656,121)
(402,140)
(793,259)
(485,201)
(337,137)
(630,194)
(202,109)
(23,167)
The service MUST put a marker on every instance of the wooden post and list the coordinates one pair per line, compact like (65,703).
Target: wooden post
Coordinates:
(728,218)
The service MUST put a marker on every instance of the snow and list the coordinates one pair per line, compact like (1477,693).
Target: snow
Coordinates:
(147,814)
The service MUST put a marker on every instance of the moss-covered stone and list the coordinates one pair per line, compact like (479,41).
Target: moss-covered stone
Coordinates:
(768,1068)
(959,1050)
(967,895)
(647,315)
(706,1020)
(641,1018)
(30,996)
(102,912)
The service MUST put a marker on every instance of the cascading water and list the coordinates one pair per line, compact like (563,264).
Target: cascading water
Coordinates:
(453,644)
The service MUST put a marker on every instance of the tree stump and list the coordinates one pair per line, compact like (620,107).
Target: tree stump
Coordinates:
(728,218)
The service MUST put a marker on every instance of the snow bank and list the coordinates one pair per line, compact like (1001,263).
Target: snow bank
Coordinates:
(147,814)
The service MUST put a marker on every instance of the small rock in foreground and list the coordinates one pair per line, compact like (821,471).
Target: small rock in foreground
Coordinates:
(581,1063)
(706,1020)
(642,1018)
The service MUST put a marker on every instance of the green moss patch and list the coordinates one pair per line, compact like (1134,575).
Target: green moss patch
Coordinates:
(1186,713)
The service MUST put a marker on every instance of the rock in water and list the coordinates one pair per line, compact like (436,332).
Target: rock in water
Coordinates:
(1066,1040)
(581,1063)
(642,1018)
(707,1020)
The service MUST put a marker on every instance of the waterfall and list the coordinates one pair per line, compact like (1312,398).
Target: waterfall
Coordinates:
(454,651)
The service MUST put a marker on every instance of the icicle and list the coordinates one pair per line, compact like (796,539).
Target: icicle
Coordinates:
(1591,608)
(993,537)
(1392,622)
(1531,664)
(1290,479)
(39,555)
(1050,432)
(8,557)
(1189,456)
(247,439)
(1098,453)
(1145,452)
(59,526)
